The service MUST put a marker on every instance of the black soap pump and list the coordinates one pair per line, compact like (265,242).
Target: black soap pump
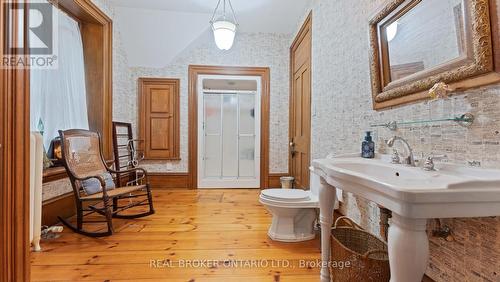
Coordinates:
(368,147)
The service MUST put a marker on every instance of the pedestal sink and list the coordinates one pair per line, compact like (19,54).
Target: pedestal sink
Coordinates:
(413,195)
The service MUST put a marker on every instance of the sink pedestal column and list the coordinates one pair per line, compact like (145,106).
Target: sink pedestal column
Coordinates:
(327,195)
(407,241)
(408,248)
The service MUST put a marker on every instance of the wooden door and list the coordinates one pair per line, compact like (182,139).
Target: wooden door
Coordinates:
(159,115)
(300,106)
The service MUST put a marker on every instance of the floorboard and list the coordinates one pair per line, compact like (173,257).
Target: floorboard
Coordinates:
(222,233)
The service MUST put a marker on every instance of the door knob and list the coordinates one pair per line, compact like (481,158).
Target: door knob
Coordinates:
(292,149)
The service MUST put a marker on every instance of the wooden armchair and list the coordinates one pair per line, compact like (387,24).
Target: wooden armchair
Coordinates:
(94,185)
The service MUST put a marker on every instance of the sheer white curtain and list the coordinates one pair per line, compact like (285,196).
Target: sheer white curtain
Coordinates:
(58,97)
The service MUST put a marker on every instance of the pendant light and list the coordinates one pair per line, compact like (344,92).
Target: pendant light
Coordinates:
(224,29)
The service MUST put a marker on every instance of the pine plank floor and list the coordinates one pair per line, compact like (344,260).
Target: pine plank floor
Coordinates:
(222,233)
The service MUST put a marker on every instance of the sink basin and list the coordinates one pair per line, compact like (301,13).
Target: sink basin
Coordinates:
(413,195)
(402,188)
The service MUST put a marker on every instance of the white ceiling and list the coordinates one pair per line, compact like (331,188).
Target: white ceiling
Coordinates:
(154,32)
(275,16)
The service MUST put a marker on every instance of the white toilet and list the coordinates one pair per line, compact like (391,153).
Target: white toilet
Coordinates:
(294,212)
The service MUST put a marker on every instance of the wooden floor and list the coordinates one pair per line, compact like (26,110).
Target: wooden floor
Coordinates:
(195,235)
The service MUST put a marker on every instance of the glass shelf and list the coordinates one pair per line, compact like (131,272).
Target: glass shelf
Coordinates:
(465,120)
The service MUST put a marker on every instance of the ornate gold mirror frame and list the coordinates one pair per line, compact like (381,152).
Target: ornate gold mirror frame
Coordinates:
(477,70)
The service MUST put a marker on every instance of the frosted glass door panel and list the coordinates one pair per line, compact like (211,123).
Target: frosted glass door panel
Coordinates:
(247,156)
(212,114)
(230,135)
(247,114)
(213,155)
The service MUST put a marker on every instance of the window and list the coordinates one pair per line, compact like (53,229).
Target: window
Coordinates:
(58,96)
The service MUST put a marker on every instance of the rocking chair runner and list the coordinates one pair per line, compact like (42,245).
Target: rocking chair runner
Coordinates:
(82,157)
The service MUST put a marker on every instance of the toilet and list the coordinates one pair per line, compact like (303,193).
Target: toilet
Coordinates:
(294,212)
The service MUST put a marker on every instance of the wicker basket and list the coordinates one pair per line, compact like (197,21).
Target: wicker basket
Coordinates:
(366,254)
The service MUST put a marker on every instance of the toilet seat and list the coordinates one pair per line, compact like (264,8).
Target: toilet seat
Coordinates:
(288,198)
(288,195)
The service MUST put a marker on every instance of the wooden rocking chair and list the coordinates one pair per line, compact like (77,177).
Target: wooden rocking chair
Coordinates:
(93,184)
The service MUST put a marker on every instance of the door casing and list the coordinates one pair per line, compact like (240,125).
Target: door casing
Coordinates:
(14,153)
(194,72)
(224,183)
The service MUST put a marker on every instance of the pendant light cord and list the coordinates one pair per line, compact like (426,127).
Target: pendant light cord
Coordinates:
(232,10)
(215,12)
(224,11)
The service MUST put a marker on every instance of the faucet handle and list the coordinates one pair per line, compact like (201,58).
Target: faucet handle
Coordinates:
(396,159)
(474,163)
(429,162)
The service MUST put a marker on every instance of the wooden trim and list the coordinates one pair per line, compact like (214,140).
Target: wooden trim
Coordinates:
(427,279)
(97,36)
(194,72)
(54,173)
(169,180)
(14,157)
(141,113)
(59,172)
(63,206)
(274,179)
(14,138)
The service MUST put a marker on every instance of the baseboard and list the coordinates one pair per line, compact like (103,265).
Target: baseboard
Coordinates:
(274,179)
(63,206)
(169,180)
(427,279)
(181,179)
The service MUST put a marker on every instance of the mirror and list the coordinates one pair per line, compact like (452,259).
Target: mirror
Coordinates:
(417,43)
(426,36)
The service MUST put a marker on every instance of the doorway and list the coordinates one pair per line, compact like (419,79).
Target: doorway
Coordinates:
(229,131)
(263,73)
(300,105)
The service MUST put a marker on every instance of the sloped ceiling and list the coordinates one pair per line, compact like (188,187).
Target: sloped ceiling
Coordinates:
(156,31)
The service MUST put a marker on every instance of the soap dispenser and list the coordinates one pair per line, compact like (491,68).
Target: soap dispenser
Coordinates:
(368,147)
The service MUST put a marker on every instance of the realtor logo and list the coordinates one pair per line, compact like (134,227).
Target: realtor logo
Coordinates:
(41,34)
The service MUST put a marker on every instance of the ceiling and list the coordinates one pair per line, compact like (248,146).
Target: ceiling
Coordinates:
(274,16)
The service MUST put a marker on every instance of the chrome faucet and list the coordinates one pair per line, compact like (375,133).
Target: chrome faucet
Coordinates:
(410,160)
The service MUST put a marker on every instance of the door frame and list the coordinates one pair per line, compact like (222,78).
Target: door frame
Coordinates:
(14,158)
(305,29)
(220,183)
(194,72)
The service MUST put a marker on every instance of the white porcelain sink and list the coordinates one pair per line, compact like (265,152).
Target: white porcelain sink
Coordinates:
(395,183)
(413,195)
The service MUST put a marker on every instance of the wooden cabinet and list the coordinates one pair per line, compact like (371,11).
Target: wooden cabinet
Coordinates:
(159,118)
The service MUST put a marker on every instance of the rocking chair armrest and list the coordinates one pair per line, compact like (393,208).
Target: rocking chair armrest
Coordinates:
(128,170)
(144,172)
(101,181)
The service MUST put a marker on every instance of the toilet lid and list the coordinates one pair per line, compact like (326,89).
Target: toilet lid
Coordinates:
(291,195)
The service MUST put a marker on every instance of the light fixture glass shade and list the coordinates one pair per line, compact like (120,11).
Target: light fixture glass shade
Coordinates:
(224,32)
